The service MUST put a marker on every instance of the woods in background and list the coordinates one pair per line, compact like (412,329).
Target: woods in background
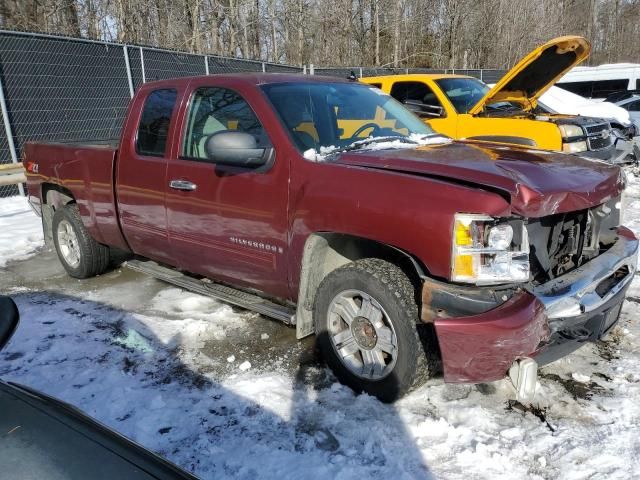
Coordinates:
(406,33)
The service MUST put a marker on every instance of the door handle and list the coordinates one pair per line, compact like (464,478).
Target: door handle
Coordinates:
(185,185)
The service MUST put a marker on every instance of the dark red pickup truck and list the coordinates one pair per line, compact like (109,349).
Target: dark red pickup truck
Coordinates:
(327,205)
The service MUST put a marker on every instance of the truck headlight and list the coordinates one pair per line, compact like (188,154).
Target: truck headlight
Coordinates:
(487,250)
(571,131)
(575,147)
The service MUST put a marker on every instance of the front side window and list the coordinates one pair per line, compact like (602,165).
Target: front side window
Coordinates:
(418,91)
(338,114)
(213,110)
(602,88)
(153,129)
(596,88)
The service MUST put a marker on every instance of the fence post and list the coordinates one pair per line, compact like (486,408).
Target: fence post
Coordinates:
(264,68)
(9,132)
(126,63)
(304,69)
(360,72)
(206,64)
(144,76)
(311,69)
(481,75)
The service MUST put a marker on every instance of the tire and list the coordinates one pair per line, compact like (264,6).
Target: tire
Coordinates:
(80,255)
(362,302)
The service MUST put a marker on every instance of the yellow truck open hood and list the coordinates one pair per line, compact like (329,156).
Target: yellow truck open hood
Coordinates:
(536,73)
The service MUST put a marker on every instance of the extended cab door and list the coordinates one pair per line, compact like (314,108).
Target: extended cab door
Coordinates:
(141,172)
(225,222)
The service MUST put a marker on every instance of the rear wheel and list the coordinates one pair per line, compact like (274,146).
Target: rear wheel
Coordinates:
(366,314)
(79,253)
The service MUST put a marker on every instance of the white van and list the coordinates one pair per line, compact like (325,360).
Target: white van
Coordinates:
(599,82)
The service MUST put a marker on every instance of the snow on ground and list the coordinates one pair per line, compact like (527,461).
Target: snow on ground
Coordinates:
(21,232)
(147,372)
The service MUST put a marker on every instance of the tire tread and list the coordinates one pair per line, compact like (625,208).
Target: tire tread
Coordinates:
(94,256)
(398,284)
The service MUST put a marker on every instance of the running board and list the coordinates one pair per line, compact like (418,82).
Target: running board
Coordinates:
(216,290)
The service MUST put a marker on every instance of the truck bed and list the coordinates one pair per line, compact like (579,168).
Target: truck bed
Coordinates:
(84,169)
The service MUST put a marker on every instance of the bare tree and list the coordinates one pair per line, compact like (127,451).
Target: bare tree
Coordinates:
(407,33)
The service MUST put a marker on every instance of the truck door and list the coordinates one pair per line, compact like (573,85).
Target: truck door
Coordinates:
(225,222)
(141,173)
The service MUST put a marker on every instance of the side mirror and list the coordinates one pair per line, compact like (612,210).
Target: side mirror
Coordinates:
(9,317)
(423,109)
(230,147)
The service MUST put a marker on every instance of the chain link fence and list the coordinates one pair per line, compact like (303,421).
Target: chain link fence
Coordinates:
(486,75)
(67,89)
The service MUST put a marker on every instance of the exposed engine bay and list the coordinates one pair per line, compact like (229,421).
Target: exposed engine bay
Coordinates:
(562,242)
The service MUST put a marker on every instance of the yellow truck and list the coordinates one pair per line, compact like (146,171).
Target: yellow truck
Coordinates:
(463,107)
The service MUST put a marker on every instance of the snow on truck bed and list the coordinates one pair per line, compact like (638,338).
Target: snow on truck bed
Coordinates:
(197,381)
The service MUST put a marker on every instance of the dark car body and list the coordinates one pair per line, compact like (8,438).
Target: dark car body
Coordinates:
(44,438)
(404,199)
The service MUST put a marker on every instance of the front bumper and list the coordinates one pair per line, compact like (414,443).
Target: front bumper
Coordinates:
(545,322)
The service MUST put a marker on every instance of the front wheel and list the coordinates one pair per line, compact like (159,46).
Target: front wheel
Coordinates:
(79,253)
(365,314)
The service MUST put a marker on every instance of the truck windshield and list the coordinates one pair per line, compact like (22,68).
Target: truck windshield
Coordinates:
(463,93)
(342,116)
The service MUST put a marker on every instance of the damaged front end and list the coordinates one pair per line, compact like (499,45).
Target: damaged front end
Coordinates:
(581,264)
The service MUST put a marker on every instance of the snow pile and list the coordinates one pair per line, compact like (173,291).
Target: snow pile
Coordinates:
(412,141)
(565,102)
(20,232)
(320,156)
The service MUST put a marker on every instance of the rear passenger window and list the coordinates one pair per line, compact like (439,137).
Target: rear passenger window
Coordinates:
(154,122)
(214,110)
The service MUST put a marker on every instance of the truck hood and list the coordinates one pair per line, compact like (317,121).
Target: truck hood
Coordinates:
(536,73)
(538,182)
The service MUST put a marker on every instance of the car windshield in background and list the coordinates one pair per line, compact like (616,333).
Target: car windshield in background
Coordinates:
(342,116)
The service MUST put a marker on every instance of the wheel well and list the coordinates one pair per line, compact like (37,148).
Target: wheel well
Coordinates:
(325,252)
(53,197)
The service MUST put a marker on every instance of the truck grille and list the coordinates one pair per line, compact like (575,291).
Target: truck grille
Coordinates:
(560,243)
(598,143)
(596,129)
(599,136)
